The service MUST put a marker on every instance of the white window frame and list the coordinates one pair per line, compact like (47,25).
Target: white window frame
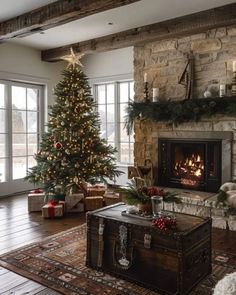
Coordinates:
(116,81)
(11,186)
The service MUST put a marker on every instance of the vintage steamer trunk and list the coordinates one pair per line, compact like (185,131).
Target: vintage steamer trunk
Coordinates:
(170,262)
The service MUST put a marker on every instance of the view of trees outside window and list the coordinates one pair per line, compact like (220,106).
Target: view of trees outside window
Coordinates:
(19,129)
(112,99)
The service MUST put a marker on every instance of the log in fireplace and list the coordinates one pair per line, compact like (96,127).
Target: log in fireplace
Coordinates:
(190,163)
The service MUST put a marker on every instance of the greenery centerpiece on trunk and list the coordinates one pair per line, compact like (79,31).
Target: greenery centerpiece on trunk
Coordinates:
(142,194)
(71,152)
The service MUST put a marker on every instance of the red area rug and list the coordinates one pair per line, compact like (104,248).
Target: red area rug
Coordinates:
(58,262)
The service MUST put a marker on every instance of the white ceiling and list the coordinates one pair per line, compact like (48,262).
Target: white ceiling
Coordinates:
(123,18)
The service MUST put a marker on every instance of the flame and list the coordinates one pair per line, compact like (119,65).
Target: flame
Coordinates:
(190,170)
(198,172)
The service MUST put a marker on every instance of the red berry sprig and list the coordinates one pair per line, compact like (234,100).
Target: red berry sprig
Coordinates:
(164,223)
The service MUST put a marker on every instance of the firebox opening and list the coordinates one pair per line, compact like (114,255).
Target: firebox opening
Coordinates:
(190,164)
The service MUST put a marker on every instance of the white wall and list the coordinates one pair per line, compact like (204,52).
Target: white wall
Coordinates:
(20,62)
(117,62)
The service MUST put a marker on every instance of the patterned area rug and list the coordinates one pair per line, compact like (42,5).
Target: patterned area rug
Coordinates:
(58,262)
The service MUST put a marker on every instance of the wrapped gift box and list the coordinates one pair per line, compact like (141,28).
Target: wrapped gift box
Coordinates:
(53,209)
(75,202)
(96,190)
(36,200)
(111,198)
(93,203)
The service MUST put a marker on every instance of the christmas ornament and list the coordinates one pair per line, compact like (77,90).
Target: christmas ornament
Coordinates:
(58,145)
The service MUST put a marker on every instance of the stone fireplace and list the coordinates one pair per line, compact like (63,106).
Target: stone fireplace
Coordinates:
(214,139)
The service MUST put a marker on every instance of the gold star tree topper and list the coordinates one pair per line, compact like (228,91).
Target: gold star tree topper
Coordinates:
(73,59)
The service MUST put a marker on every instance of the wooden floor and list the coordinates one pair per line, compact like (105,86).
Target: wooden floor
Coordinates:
(18,228)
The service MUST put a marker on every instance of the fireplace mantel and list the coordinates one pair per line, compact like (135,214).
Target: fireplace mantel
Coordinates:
(180,111)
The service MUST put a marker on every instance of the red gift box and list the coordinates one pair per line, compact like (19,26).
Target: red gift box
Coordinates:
(53,209)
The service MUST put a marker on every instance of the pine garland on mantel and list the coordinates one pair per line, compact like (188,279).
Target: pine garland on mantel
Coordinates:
(177,112)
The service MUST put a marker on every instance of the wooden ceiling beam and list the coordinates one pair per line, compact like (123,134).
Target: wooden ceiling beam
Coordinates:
(181,26)
(55,14)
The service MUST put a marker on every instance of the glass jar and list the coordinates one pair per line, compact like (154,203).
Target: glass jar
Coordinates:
(157,205)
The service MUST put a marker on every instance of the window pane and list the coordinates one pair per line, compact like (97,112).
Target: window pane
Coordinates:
(102,111)
(18,97)
(2,96)
(32,144)
(2,170)
(110,93)
(123,114)
(124,92)
(2,121)
(32,101)
(19,121)
(124,152)
(19,167)
(103,130)
(131,90)
(111,113)
(110,132)
(2,145)
(19,145)
(32,122)
(101,94)
(31,162)
(123,133)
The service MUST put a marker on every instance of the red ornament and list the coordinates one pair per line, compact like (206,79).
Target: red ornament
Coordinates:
(58,145)
(52,137)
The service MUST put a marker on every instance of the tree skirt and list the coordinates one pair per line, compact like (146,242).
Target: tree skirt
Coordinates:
(58,262)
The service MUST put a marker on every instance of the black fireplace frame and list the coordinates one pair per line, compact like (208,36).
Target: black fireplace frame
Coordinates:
(165,177)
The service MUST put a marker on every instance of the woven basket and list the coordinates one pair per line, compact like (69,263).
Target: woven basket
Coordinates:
(111,199)
(93,203)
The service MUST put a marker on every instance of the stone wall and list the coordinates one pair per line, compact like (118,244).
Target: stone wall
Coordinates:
(164,61)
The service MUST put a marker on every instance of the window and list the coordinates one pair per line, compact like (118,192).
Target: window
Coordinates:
(112,99)
(20,118)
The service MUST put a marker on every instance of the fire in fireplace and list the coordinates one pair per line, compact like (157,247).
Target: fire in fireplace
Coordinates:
(190,169)
(190,164)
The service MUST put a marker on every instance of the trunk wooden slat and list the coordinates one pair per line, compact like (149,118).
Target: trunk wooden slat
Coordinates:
(170,262)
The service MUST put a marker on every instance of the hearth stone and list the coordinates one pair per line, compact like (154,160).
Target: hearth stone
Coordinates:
(232,222)
(202,204)
(219,222)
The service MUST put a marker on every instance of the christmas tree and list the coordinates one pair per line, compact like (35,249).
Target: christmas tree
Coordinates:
(71,151)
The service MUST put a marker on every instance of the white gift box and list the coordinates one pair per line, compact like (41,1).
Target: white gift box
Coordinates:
(73,202)
(53,209)
(35,201)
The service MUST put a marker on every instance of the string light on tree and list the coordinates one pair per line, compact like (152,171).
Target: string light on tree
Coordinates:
(71,149)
